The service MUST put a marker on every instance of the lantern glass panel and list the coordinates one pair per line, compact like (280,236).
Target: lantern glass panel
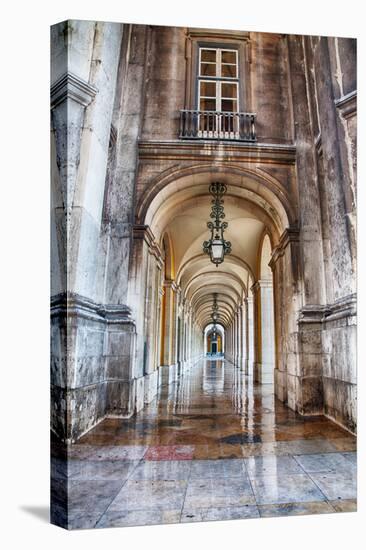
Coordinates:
(217,249)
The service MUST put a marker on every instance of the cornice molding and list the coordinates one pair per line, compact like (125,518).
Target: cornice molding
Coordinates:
(71,304)
(312,313)
(113,136)
(262,283)
(193,32)
(318,143)
(344,307)
(347,104)
(208,149)
(290,235)
(70,86)
(144,232)
(316,313)
(170,283)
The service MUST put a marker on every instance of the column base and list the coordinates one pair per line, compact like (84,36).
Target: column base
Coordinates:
(264,373)
(167,374)
(151,385)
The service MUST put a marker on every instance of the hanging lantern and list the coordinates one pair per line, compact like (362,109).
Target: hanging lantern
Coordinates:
(215,314)
(217,246)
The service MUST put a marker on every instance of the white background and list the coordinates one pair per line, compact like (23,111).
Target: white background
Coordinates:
(24,272)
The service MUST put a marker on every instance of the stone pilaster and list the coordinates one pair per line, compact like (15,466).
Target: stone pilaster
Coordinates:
(285,265)
(250,304)
(265,362)
(240,337)
(168,370)
(84,61)
(120,187)
(340,230)
(245,365)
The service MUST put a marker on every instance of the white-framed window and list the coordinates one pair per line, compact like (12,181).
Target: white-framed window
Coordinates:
(218,80)
(218,93)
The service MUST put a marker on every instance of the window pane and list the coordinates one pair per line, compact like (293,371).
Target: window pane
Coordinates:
(228,57)
(229,105)
(228,71)
(228,90)
(208,89)
(207,104)
(209,55)
(208,69)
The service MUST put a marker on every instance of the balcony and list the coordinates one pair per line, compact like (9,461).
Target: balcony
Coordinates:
(217,125)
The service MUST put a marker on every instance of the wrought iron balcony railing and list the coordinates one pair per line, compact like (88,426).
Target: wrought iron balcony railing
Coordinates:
(217,125)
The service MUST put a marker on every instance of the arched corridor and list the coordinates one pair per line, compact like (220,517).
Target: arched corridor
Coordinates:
(182,282)
(211,437)
(203,329)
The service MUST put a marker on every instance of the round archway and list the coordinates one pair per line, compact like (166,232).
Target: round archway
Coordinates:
(174,211)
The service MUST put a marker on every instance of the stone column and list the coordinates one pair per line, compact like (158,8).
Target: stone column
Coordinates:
(227,342)
(335,78)
(256,330)
(264,372)
(167,371)
(340,230)
(285,265)
(250,309)
(304,384)
(119,196)
(141,293)
(240,337)
(176,299)
(236,338)
(235,334)
(151,326)
(231,341)
(244,316)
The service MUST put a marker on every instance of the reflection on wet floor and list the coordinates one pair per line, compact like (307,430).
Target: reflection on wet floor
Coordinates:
(212,446)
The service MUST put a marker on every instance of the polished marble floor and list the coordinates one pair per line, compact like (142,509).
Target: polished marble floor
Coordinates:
(212,446)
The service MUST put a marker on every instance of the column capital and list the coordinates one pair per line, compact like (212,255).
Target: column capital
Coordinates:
(170,283)
(71,86)
(144,232)
(255,287)
(262,283)
(290,235)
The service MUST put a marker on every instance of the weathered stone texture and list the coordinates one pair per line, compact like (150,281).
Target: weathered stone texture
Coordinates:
(117,162)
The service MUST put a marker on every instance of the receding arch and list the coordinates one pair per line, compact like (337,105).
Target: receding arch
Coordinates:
(265,249)
(169,265)
(207,332)
(175,207)
(262,187)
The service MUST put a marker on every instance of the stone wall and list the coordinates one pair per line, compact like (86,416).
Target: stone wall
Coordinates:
(92,338)
(116,93)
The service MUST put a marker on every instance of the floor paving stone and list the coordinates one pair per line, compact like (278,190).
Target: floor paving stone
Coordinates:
(213,446)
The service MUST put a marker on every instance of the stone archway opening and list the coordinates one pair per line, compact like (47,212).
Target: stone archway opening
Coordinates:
(174,220)
(214,340)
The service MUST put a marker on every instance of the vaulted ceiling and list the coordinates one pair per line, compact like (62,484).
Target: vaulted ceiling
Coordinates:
(183,216)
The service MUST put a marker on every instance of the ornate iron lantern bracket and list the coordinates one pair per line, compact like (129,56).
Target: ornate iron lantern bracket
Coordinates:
(217,246)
